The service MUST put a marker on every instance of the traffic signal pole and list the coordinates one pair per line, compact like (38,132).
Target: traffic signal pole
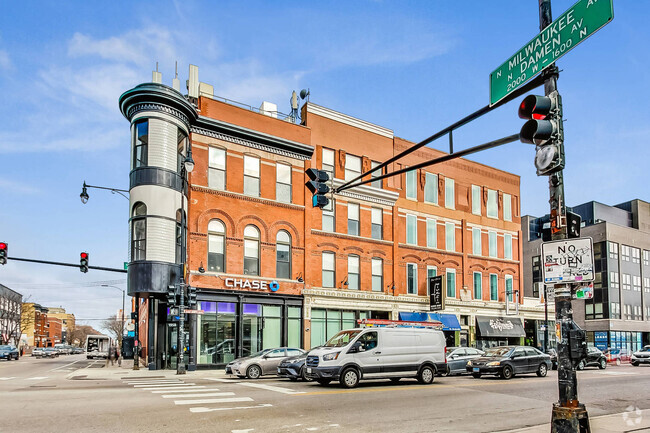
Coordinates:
(568,415)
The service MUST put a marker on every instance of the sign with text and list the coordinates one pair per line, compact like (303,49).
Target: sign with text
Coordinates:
(188,311)
(436,293)
(572,27)
(568,261)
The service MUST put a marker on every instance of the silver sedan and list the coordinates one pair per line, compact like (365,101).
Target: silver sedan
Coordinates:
(261,363)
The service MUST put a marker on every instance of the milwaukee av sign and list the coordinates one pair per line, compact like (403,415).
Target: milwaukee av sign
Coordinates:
(572,27)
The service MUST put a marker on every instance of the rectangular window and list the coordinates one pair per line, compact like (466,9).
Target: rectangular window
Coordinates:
(509,289)
(613,250)
(432,271)
(432,236)
(431,188)
(353,219)
(613,280)
(636,255)
(450,236)
(328,217)
(329,275)
(353,272)
(646,284)
(352,167)
(451,283)
(492,242)
(140,143)
(377,275)
(626,282)
(376,183)
(476,241)
(411,229)
(646,258)
(625,253)
(251,176)
(328,162)
(476,199)
(507,246)
(492,208)
(450,195)
(412,278)
(636,283)
(283,183)
(494,287)
(217,169)
(507,207)
(411,188)
(478,290)
(376,221)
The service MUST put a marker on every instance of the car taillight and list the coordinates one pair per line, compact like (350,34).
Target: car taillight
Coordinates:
(445,354)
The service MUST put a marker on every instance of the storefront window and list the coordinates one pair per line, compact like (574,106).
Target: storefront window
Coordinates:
(326,323)
(216,333)
(294,331)
(262,327)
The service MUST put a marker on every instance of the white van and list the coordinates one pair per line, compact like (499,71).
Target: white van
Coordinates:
(375,353)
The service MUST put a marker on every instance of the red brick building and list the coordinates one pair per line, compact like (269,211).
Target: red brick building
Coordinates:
(271,270)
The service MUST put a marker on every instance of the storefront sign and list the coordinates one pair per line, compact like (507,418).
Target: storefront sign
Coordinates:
(238,283)
(600,340)
(500,326)
(436,294)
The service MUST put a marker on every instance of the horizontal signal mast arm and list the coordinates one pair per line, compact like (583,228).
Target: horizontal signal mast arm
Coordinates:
(459,154)
(72,265)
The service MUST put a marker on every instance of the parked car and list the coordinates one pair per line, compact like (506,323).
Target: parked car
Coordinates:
(617,356)
(506,361)
(77,350)
(294,368)
(261,363)
(641,357)
(37,351)
(457,358)
(50,352)
(553,354)
(594,358)
(9,352)
(378,353)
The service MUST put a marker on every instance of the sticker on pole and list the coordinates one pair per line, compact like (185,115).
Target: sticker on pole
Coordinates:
(568,261)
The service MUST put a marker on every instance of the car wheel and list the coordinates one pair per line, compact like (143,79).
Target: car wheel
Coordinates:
(426,375)
(349,378)
(395,379)
(476,375)
(634,364)
(542,370)
(253,372)
(293,378)
(603,364)
(581,365)
(506,373)
(323,382)
(303,374)
(618,361)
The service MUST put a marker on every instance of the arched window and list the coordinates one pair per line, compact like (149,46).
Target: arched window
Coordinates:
(138,232)
(180,248)
(283,255)
(216,246)
(251,251)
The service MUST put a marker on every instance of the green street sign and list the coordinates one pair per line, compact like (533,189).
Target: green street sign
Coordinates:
(572,27)
(126,265)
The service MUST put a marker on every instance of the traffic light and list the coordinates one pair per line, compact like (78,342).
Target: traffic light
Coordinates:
(171,296)
(318,186)
(544,129)
(3,252)
(573,222)
(191,297)
(83,262)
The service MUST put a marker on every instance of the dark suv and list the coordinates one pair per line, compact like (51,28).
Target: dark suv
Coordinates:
(594,358)
(506,361)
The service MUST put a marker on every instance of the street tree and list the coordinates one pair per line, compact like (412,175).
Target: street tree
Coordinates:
(115,327)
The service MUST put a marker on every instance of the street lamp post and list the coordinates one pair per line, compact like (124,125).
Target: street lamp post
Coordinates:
(84,192)
(121,336)
(186,168)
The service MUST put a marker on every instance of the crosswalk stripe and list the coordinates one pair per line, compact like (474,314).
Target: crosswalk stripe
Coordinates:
(222,380)
(169,388)
(209,409)
(208,394)
(170,385)
(154,383)
(37,378)
(182,389)
(7,378)
(213,400)
(272,388)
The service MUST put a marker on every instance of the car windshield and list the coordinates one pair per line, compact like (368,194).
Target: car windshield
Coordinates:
(497,351)
(645,349)
(342,338)
(260,353)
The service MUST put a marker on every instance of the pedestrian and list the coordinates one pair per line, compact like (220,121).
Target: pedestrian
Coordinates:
(119,356)
(111,355)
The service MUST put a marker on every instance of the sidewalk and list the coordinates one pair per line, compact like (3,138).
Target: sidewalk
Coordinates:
(633,420)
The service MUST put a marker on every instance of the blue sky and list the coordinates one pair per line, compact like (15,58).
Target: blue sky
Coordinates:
(412,66)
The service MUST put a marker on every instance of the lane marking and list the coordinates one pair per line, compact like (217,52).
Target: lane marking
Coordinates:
(184,389)
(7,378)
(272,388)
(213,400)
(37,378)
(63,366)
(206,409)
(207,394)
(170,385)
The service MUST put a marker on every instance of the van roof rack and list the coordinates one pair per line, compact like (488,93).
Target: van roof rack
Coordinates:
(369,323)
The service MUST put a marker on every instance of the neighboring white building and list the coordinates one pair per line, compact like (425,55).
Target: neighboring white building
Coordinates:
(10,309)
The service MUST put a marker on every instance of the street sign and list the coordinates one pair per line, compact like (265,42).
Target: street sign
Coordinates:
(188,311)
(585,292)
(568,261)
(126,265)
(572,27)
(436,293)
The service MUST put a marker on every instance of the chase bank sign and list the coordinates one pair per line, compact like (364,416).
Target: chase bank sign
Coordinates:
(238,283)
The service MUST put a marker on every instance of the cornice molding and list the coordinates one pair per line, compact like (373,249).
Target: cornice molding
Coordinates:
(206,190)
(368,193)
(148,106)
(348,120)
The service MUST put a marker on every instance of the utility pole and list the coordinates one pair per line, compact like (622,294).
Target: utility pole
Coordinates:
(136,334)
(569,415)
(180,363)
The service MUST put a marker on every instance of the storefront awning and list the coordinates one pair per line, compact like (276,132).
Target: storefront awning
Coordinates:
(449,321)
(500,326)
